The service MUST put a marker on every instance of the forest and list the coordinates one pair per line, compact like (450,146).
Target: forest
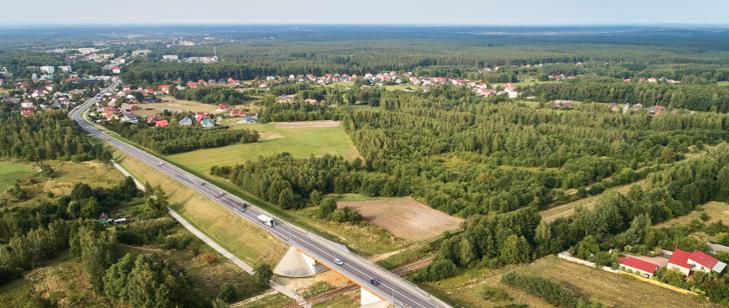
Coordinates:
(47,135)
(175,139)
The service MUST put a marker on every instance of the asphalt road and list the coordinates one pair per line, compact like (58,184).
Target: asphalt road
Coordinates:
(392,288)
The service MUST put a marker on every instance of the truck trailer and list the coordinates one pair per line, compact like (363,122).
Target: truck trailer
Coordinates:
(266,220)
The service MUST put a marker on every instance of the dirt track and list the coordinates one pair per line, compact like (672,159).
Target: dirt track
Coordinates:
(405,217)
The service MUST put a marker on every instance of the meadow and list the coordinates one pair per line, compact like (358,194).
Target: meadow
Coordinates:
(11,171)
(301,142)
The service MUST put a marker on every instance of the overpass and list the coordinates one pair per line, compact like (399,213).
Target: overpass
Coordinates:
(373,279)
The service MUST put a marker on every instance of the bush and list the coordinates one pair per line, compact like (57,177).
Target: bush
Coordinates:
(553,292)
(440,269)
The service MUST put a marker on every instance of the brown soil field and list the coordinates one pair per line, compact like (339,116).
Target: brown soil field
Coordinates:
(307,124)
(404,217)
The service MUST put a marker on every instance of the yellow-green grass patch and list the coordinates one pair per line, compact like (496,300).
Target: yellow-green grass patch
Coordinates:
(299,142)
(612,290)
(273,300)
(241,237)
(567,209)
(715,209)
(11,171)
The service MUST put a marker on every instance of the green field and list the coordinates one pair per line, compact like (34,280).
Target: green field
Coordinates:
(10,172)
(300,142)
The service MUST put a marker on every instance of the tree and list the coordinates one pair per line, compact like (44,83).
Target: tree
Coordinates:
(327,207)
(638,228)
(286,199)
(156,202)
(95,255)
(46,170)
(515,249)
(228,293)
(90,208)
(262,275)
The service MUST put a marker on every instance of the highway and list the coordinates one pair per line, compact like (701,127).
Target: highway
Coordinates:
(388,286)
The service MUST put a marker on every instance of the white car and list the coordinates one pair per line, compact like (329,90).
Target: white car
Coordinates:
(338,262)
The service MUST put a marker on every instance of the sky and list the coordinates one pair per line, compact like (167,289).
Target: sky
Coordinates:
(421,12)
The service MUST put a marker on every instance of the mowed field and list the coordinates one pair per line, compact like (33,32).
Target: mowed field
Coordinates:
(11,171)
(404,217)
(567,209)
(612,290)
(301,142)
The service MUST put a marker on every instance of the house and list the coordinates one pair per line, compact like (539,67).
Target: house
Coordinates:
(701,261)
(115,70)
(26,112)
(563,104)
(237,112)
(635,265)
(170,58)
(164,88)
(686,262)
(109,112)
(207,123)
(186,121)
(679,261)
(200,116)
(656,110)
(250,119)
(192,84)
(223,106)
(161,123)
(128,107)
(152,118)
(130,117)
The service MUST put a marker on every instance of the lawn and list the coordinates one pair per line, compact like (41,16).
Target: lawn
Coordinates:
(11,171)
(273,300)
(299,142)
(612,290)
(241,237)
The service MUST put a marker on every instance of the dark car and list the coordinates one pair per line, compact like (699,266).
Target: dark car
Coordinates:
(374,282)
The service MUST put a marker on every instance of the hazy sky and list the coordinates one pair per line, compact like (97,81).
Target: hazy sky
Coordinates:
(486,12)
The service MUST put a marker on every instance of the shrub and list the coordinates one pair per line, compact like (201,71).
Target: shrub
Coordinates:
(553,292)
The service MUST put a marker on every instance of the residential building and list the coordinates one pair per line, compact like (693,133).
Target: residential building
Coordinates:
(162,123)
(635,265)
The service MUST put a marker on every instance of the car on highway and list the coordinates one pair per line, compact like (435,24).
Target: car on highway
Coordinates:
(374,282)
(161,163)
(202,183)
(338,262)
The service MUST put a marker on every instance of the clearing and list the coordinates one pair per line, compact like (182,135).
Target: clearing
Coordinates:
(11,171)
(175,105)
(567,209)
(241,237)
(612,290)
(716,210)
(299,142)
(405,217)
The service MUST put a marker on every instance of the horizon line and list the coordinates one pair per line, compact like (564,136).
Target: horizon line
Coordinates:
(70,25)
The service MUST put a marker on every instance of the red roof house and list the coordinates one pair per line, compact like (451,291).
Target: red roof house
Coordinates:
(223,106)
(679,261)
(200,116)
(26,112)
(192,84)
(165,88)
(162,123)
(237,112)
(703,262)
(644,268)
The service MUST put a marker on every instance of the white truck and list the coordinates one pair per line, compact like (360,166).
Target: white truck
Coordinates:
(266,220)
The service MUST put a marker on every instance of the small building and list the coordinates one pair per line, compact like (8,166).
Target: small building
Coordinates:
(207,123)
(115,70)
(237,112)
(130,117)
(162,123)
(164,88)
(223,106)
(186,121)
(679,261)
(26,112)
(635,265)
(152,118)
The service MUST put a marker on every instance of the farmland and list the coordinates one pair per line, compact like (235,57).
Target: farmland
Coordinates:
(404,217)
(301,142)
(10,172)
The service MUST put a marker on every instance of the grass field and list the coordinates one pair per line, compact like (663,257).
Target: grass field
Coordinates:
(273,300)
(241,237)
(300,142)
(11,171)
(612,290)
(405,217)
(716,210)
(174,105)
